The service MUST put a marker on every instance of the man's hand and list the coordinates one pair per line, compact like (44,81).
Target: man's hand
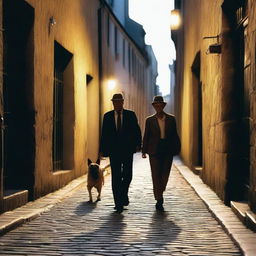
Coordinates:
(138,148)
(101,155)
(144,155)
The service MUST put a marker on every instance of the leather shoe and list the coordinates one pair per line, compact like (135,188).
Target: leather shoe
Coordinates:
(159,205)
(119,209)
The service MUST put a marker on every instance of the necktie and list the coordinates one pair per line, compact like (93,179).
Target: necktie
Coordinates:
(118,124)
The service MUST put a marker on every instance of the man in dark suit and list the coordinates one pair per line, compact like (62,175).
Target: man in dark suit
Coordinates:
(120,138)
(161,142)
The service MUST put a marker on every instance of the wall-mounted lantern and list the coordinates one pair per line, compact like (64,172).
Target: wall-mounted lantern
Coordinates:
(175,19)
(213,48)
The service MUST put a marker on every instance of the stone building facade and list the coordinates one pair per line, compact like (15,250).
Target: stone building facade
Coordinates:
(50,50)
(215,94)
(57,58)
(126,61)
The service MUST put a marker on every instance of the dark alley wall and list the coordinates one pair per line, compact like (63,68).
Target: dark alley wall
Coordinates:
(222,86)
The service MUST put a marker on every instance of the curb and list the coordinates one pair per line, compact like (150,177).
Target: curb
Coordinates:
(244,238)
(12,219)
(15,218)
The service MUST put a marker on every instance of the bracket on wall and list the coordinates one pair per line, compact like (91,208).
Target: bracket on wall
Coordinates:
(213,48)
(52,22)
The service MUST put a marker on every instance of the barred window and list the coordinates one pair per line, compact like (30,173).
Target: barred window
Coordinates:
(63,108)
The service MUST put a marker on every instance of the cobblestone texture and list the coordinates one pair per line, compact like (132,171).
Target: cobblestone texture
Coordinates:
(76,227)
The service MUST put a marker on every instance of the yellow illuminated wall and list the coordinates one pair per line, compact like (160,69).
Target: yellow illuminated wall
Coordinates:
(125,64)
(76,30)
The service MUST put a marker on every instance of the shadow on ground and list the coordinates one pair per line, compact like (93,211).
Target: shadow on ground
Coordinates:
(128,234)
(85,208)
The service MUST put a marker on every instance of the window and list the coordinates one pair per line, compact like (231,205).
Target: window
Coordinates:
(133,63)
(58,119)
(108,30)
(241,12)
(88,79)
(116,43)
(63,109)
(129,59)
(143,76)
(124,55)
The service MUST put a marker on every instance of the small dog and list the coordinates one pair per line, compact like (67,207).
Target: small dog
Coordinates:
(95,178)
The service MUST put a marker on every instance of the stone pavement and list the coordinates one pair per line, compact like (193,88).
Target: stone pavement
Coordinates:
(75,227)
(242,236)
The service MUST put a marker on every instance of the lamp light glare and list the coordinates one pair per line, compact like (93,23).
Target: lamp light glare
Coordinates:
(111,84)
(175,20)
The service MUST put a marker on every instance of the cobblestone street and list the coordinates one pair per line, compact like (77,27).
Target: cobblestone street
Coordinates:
(75,227)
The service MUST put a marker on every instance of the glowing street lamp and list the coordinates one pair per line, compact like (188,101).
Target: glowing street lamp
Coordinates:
(111,84)
(175,19)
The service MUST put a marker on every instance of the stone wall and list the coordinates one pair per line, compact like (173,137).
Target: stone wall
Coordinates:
(128,66)
(250,80)
(196,26)
(223,131)
(1,105)
(76,30)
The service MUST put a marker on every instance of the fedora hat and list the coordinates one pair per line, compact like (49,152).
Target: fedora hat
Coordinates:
(117,96)
(158,99)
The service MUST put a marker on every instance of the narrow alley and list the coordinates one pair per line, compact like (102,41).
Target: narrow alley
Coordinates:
(83,79)
(76,227)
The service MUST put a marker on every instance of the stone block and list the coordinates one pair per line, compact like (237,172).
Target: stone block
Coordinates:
(253,106)
(251,220)
(15,199)
(252,127)
(220,173)
(252,192)
(240,209)
(226,136)
(252,197)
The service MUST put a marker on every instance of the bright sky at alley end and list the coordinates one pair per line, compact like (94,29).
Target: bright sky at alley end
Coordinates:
(154,15)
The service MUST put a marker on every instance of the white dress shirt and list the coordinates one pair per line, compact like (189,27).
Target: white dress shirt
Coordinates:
(161,123)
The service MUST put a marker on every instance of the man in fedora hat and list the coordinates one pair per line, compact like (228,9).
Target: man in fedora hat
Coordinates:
(120,138)
(161,142)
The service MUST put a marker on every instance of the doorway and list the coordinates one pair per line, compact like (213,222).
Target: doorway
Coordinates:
(234,31)
(197,145)
(18,143)
(243,173)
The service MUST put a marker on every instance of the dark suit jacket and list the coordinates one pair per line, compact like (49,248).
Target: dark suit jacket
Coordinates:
(126,141)
(152,135)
